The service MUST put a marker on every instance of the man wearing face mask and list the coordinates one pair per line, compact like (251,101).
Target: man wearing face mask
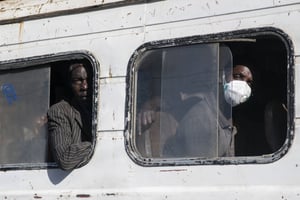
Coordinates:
(238,88)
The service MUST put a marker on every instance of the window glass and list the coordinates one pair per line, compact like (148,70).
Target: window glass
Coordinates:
(180,109)
(24,102)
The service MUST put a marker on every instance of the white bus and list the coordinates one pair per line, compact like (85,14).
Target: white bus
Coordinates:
(145,50)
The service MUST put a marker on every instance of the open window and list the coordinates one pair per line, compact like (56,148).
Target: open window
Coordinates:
(28,88)
(180,113)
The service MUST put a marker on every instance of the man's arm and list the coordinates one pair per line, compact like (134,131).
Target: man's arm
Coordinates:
(68,150)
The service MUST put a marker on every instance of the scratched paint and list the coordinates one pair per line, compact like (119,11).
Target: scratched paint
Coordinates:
(83,195)
(50,7)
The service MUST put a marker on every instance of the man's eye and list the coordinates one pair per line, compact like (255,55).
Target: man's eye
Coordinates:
(76,81)
(237,76)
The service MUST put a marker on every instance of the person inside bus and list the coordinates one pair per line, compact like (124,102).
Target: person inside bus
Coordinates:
(69,123)
(182,137)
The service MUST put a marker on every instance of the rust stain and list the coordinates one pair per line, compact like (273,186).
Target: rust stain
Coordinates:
(110,73)
(21,30)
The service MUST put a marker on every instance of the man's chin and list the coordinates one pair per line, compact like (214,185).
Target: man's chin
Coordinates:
(83,98)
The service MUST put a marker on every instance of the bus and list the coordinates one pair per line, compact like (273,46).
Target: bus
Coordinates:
(146,59)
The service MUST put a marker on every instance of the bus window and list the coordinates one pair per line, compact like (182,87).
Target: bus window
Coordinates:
(27,92)
(184,112)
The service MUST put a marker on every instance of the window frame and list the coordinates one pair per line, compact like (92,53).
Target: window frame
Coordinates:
(31,62)
(239,35)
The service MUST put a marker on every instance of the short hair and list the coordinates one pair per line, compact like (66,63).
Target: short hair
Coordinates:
(71,68)
(68,82)
(74,66)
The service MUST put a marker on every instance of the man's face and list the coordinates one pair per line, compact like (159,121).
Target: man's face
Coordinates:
(79,83)
(242,73)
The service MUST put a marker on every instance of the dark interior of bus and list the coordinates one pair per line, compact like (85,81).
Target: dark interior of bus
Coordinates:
(59,88)
(262,120)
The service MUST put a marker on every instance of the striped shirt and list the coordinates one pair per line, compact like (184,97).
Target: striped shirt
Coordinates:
(70,140)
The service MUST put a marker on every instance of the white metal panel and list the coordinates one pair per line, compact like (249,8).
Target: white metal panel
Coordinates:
(176,11)
(111,20)
(11,9)
(112,49)
(112,106)
(111,174)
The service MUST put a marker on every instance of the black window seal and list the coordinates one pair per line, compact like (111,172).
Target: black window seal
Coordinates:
(201,39)
(50,58)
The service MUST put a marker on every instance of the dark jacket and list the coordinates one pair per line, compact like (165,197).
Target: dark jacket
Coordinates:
(202,131)
(70,142)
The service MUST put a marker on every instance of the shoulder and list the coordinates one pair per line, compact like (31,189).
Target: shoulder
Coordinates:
(60,107)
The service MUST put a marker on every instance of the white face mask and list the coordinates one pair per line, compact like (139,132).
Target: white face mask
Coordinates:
(236,92)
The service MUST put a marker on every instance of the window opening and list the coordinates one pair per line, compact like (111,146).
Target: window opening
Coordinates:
(27,92)
(166,75)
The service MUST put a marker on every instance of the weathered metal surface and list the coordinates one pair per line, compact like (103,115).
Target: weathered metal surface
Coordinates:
(18,10)
(112,35)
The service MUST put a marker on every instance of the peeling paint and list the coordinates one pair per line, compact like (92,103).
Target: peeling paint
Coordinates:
(37,197)
(83,195)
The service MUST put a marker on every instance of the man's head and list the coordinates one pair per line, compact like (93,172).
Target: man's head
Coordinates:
(78,81)
(242,73)
(237,88)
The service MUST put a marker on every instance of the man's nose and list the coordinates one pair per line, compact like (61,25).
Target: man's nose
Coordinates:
(84,85)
